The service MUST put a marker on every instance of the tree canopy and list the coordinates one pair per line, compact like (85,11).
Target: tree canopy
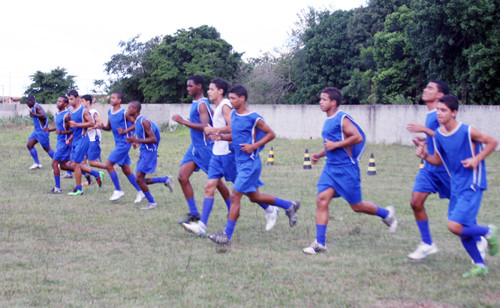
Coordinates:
(47,87)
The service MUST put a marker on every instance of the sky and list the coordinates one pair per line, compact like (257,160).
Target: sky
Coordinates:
(81,36)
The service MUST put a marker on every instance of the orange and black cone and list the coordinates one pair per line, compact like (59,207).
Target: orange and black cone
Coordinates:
(371,166)
(307,160)
(270,159)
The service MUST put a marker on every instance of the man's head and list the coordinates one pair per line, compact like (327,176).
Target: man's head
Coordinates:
(238,95)
(447,108)
(62,102)
(330,98)
(30,101)
(217,89)
(116,98)
(86,100)
(434,90)
(195,85)
(73,97)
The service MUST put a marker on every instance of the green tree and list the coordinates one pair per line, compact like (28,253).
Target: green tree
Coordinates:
(46,87)
(194,51)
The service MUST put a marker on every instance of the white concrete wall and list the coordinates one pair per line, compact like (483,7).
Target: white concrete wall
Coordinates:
(383,124)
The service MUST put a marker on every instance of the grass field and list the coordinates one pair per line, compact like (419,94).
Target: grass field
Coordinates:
(57,250)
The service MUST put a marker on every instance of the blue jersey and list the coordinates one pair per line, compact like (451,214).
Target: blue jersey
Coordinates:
(77,116)
(455,147)
(61,126)
(244,130)
(431,122)
(39,126)
(118,120)
(140,133)
(198,137)
(332,130)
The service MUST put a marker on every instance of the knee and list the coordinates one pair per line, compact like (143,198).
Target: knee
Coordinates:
(182,178)
(322,203)
(454,228)
(416,205)
(358,207)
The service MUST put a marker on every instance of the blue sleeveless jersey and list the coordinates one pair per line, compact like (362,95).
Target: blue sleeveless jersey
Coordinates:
(77,116)
(244,130)
(60,126)
(431,122)
(198,137)
(455,147)
(36,122)
(141,134)
(116,121)
(332,130)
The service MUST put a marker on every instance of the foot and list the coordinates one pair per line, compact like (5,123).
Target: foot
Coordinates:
(476,271)
(189,218)
(492,238)
(194,227)
(292,213)
(150,206)
(100,178)
(315,248)
(423,250)
(170,183)
(271,218)
(35,166)
(140,195)
(220,238)
(76,192)
(391,220)
(67,176)
(117,194)
(89,180)
(54,190)
(481,246)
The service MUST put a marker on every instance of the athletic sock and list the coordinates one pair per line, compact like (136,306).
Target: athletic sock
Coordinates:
(160,179)
(425,232)
(230,228)
(78,187)
(114,177)
(264,206)
(34,154)
(208,203)
(57,178)
(381,212)
(228,204)
(149,196)
(133,181)
(284,204)
(94,173)
(474,230)
(193,210)
(470,246)
(51,153)
(321,234)
(68,172)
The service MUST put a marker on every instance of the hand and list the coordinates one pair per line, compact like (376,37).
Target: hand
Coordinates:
(121,131)
(419,140)
(421,152)
(416,128)
(46,129)
(72,124)
(177,118)
(209,129)
(315,158)
(470,163)
(131,140)
(135,145)
(215,136)
(247,148)
(330,145)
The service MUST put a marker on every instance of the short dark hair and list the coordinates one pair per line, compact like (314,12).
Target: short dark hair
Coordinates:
(119,94)
(451,101)
(87,98)
(73,92)
(30,98)
(221,84)
(240,91)
(442,86)
(65,98)
(136,104)
(197,79)
(334,94)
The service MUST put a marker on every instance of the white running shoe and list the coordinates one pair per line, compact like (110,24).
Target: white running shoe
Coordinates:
(194,227)
(35,166)
(315,248)
(140,195)
(271,218)
(150,206)
(170,183)
(117,194)
(67,176)
(423,250)
(481,246)
(391,220)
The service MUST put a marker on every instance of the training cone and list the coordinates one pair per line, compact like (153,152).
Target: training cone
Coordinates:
(307,160)
(421,163)
(371,166)
(270,159)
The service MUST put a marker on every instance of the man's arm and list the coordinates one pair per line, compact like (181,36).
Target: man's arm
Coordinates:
(419,128)
(269,135)
(148,131)
(490,144)
(352,136)
(204,119)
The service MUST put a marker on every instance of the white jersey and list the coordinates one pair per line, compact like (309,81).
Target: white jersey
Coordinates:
(91,132)
(221,147)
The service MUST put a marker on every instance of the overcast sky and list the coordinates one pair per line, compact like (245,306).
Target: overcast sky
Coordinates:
(81,36)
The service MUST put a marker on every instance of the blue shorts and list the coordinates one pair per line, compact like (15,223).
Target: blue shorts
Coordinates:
(79,149)
(248,177)
(147,162)
(200,156)
(42,137)
(433,182)
(119,155)
(222,166)
(464,206)
(345,180)
(63,152)
(94,152)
